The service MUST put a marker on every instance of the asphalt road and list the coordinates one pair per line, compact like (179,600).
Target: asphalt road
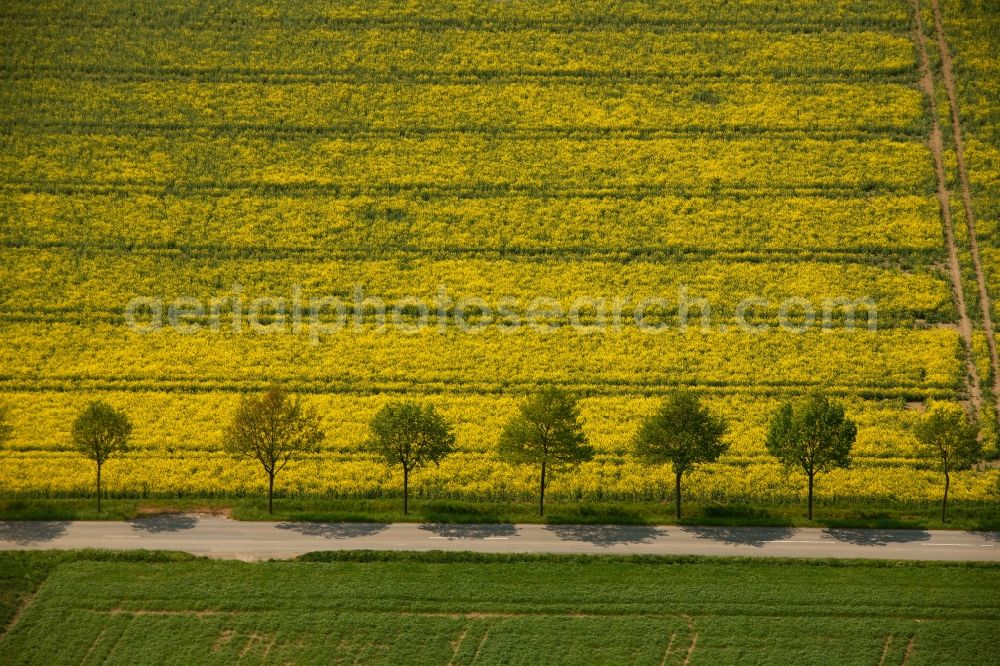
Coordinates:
(215,536)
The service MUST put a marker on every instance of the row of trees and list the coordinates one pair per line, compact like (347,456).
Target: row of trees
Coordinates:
(813,435)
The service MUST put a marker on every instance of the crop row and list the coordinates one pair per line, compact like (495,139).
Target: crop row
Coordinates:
(469,163)
(499,108)
(408,53)
(328,226)
(579,14)
(490,357)
(106,281)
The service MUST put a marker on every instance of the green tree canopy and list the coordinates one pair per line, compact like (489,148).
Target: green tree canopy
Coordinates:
(410,435)
(812,434)
(272,428)
(546,432)
(948,436)
(99,432)
(683,433)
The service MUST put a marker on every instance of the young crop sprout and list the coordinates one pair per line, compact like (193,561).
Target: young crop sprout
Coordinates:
(546,432)
(813,435)
(99,432)
(272,429)
(949,438)
(683,433)
(408,435)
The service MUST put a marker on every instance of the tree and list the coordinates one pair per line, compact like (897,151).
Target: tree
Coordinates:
(683,433)
(6,429)
(546,432)
(949,437)
(408,435)
(99,432)
(813,435)
(272,428)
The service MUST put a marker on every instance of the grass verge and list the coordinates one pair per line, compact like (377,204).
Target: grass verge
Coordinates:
(881,516)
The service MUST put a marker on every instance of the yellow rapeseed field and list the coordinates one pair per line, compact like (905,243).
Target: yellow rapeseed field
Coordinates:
(623,162)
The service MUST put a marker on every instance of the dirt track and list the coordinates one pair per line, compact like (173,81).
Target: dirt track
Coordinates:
(936,144)
(948,76)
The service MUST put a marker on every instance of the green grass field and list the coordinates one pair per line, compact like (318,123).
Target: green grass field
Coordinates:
(435,609)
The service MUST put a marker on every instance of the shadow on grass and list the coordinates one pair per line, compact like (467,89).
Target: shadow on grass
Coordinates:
(460,531)
(334,530)
(443,511)
(606,535)
(874,520)
(875,537)
(29,533)
(587,514)
(743,536)
(168,522)
(737,516)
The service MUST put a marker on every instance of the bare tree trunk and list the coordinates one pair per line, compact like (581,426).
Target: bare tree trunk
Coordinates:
(270,492)
(541,496)
(406,490)
(944,502)
(98,487)
(811,475)
(677,492)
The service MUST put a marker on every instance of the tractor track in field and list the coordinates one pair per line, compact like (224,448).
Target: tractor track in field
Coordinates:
(936,145)
(948,76)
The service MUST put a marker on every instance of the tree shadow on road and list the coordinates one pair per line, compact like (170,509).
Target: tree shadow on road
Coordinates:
(334,530)
(27,533)
(168,522)
(875,537)
(465,531)
(742,536)
(991,535)
(606,535)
